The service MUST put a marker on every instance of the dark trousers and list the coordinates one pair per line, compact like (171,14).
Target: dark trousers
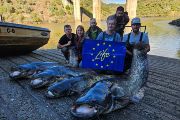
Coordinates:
(127,62)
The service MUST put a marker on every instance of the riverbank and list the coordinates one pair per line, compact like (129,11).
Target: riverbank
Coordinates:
(175,22)
(19,102)
(164,38)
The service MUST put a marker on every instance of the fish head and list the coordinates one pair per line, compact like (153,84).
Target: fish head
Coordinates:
(96,101)
(68,86)
(41,81)
(62,88)
(15,74)
(18,73)
(36,82)
(55,93)
(84,111)
(59,89)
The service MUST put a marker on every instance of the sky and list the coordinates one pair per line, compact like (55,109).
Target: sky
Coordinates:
(114,1)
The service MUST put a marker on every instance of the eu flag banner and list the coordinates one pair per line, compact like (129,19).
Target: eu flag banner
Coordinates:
(103,55)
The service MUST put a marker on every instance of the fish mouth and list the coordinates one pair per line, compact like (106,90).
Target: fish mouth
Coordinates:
(45,81)
(50,94)
(53,94)
(21,74)
(84,111)
(57,93)
(42,81)
(96,101)
(15,75)
(38,82)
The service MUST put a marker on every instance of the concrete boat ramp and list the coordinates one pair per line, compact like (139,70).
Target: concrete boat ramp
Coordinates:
(19,102)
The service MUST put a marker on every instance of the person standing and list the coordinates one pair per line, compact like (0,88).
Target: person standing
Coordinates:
(122,19)
(93,30)
(139,40)
(135,39)
(66,41)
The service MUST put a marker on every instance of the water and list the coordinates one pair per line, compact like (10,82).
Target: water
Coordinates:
(164,38)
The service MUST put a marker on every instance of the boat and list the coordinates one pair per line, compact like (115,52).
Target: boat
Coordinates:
(19,39)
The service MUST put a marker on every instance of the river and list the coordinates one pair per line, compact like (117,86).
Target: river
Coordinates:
(164,38)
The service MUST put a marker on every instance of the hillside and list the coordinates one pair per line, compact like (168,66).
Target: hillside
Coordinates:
(53,11)
(154,8)
(34,10)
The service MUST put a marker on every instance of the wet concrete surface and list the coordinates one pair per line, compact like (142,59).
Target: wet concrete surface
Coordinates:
(19,102)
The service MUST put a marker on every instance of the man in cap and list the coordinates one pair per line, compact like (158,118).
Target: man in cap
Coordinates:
(137,39)
(122,19)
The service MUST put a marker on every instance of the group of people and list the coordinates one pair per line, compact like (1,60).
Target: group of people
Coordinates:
(71,43)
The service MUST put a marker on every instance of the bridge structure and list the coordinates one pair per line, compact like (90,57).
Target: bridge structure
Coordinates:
(131,6)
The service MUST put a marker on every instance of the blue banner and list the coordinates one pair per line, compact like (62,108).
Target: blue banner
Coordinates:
(103,55)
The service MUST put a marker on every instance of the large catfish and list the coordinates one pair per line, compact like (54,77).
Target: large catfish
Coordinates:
(27,70)
(69,86)
(74,85)
(55,74)
(111,94)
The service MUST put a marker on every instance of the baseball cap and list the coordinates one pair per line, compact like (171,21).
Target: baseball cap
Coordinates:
(136,20)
